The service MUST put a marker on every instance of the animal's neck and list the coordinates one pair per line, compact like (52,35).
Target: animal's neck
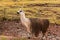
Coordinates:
(22,16)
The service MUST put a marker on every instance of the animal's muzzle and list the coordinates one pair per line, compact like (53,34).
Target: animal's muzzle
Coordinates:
(17,12)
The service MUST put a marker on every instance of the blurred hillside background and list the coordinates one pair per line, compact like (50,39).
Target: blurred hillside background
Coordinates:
(46,9)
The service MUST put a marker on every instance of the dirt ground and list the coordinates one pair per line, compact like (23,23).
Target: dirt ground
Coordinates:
(15,29)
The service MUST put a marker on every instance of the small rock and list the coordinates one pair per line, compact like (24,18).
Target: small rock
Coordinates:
(53,38)
(58,38)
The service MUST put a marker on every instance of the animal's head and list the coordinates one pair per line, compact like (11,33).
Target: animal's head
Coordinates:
(20,11)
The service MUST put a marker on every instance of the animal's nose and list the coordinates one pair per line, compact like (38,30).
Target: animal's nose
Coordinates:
(17,12)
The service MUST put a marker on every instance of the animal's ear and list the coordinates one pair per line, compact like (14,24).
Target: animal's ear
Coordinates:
(20,9)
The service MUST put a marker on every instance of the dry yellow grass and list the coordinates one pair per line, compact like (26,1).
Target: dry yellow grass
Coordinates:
(10,8)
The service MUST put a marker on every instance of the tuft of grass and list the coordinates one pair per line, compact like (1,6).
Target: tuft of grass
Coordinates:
(2,38)
(11,38)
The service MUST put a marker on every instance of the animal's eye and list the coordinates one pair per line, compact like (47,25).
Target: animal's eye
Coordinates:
(20,11)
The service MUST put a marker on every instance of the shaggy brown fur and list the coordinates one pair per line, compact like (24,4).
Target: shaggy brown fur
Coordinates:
(38,25)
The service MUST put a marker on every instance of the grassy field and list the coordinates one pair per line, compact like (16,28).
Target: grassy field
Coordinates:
(11,38)
(32,8)
(45,9)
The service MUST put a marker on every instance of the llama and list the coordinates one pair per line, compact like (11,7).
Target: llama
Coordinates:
(34,25)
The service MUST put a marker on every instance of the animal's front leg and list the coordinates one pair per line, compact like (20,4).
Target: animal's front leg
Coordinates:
(28,30)
(29,33)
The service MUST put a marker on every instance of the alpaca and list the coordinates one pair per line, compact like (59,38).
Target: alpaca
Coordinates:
(34,25)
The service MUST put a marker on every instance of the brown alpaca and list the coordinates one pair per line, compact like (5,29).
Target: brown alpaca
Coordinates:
(34,25)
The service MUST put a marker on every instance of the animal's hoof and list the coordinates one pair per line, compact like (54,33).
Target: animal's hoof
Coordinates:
(28,37)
